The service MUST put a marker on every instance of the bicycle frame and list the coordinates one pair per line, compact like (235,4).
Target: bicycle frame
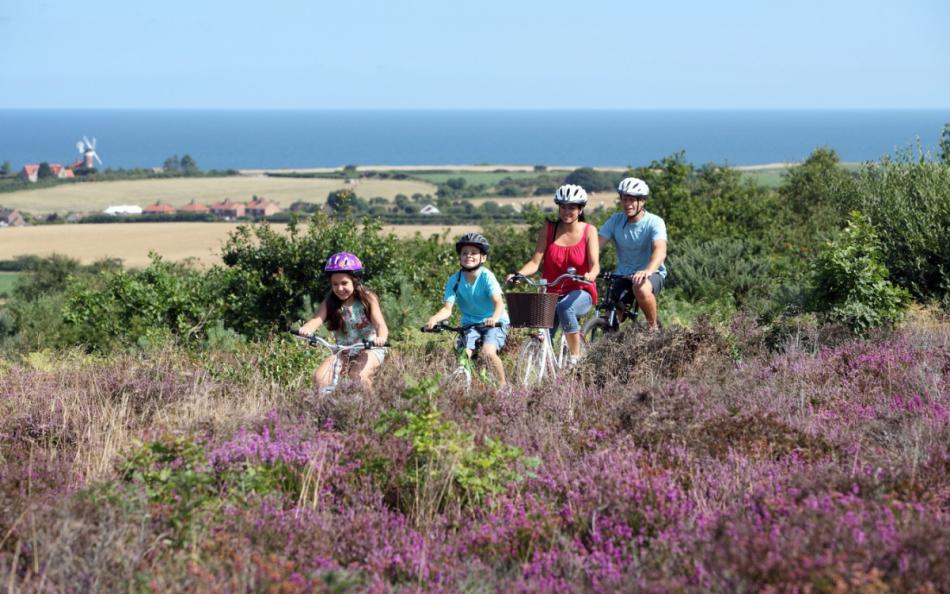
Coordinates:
(336,350)
(538,360)
(467,367)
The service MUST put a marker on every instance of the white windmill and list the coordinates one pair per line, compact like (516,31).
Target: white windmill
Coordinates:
(88,151)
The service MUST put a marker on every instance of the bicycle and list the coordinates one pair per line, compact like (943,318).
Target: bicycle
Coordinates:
(610,311)
(467,368)
(537,359)
(336,351)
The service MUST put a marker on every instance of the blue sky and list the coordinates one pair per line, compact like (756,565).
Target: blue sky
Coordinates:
(486,54)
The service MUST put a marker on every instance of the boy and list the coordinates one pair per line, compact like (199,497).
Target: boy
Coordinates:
(479,297)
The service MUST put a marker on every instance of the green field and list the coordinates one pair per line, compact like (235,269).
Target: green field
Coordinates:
(7,283)
(478,177)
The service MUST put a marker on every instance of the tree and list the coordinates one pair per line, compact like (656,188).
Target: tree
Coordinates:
(5,168)
(172,165)
(44,172)
(945,145)
(456,183)
(188,165)
(341,201)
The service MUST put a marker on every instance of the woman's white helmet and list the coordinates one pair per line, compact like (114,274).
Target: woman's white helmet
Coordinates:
(633,186)
(570,194)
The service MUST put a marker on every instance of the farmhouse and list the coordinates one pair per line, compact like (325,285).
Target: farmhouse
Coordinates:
(194,207)
(428,209)
(261,207)
(10,217)
(159,208)
(31,172)
(227,209)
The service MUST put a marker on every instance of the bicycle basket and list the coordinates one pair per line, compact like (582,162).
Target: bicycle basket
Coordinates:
(531,310)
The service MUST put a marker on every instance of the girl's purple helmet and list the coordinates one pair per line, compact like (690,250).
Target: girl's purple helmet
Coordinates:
(344,262)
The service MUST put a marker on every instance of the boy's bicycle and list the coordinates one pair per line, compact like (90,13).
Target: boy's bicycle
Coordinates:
(538,361)
(467,368)
(336,351)
(611,310)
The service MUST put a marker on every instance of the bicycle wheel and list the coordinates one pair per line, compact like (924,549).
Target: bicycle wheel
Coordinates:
(530,368)
(461,376)
(594,329)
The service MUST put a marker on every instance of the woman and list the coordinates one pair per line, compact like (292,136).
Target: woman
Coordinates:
(568,242)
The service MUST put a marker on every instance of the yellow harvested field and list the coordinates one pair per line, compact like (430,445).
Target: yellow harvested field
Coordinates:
(132,242)
(96,196)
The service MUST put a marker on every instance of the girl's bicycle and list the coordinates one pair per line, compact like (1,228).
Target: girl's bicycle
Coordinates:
(337,351)
(467,368)
(611,309)
(538,360)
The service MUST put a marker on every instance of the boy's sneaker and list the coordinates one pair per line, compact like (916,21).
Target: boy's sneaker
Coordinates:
(572,360)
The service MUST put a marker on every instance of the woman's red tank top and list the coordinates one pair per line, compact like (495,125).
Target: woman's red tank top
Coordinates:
(558,258)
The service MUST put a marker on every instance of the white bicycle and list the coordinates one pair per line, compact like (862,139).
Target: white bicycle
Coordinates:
(538,360)
(336,351)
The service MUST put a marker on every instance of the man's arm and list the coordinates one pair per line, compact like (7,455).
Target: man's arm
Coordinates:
(656,259)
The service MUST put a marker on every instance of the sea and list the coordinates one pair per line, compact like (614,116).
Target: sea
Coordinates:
(255,139)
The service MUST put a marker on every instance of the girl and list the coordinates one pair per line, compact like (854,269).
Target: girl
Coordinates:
(352,312)
(568,242)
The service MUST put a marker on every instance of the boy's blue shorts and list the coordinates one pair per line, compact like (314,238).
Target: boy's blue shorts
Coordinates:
(496,336)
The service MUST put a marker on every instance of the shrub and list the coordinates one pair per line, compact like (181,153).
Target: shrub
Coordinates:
(907,202)
(851,285)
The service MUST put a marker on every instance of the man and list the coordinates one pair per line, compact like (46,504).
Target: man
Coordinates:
(640,239)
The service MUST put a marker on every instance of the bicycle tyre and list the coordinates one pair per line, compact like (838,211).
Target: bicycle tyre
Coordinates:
(460,376)
(594,329)
(528,367)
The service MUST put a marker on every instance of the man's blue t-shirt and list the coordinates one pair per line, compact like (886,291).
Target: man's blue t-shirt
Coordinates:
(474,300)
(634,241)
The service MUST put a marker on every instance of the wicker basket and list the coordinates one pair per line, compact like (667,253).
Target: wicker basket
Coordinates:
(531,310)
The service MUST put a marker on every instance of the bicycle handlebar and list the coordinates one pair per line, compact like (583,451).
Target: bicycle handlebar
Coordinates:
(315,340)
(517,277)
(443,327)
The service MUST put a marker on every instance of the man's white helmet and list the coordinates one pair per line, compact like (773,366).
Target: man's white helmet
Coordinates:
(570,194)
(633,186)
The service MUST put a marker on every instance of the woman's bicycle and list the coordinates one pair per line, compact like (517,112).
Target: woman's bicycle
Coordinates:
(538,360)
(467,368)
(611,309)
(337,351)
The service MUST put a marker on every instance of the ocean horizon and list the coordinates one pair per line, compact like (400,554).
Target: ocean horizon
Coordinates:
(260,139)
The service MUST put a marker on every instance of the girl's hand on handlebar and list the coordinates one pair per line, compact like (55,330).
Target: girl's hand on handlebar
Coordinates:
(379,342)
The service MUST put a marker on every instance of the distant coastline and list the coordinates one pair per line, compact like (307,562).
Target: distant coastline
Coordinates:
(297,139)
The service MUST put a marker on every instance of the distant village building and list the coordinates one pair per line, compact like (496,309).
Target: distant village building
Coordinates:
(10,217)
(194,207)
(428,209)
(123,209)
(159,208)
(261,207)
(31,172)
(228,209)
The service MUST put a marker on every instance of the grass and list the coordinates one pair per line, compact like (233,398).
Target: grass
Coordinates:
(8,282)
(133,241)
(96,196)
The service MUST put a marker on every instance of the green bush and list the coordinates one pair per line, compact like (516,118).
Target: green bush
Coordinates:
(850,282)
(907,201)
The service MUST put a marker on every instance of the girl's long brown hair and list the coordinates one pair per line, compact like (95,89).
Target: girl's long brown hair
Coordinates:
(334,317)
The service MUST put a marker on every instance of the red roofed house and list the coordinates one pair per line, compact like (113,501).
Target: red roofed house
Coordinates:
(261,207)
(194,207)
(159,209)
(228,209)
(9,217)
(31,172)
(60,171)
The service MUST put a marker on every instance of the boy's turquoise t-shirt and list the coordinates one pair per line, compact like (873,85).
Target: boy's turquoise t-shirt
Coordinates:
(634,241)
(474,300)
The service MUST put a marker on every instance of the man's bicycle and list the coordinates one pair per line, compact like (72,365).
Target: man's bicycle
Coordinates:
(611,309)
(538,360)
(468,367)
(338,352)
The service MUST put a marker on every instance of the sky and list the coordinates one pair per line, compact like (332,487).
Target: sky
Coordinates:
(596,54)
